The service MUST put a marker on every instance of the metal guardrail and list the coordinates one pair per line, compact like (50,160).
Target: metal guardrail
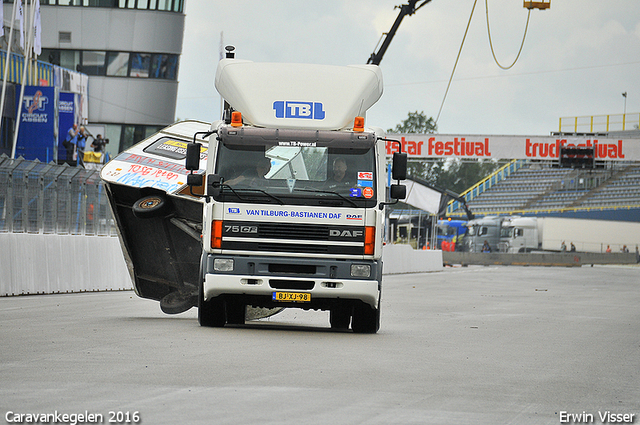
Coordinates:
(42,72)
(42,198)
(599,123)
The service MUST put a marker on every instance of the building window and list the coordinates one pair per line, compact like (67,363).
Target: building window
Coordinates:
(70,59)
(164,66)
(140,65)
(115,64)
(166,5)
(118,64)
(93,63)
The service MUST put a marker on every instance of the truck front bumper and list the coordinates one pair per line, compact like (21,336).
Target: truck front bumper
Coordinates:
(328,282)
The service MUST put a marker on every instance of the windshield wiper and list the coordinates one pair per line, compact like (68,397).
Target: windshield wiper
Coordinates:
(235,192)
(330,192)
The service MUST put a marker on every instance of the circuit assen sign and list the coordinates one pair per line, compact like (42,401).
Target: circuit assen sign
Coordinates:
(509,147)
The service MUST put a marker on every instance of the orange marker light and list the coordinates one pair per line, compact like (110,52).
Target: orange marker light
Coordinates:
(369,240)
(236,119)
(216,234)
(358,124)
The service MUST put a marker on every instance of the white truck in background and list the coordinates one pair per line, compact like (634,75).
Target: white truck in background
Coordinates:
(525,234)
(480,230)
(294,191)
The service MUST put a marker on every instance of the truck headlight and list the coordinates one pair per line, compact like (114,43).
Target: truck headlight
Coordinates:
(223,264)
(360,270)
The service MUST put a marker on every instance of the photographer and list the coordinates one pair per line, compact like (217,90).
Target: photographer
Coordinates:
(98,143)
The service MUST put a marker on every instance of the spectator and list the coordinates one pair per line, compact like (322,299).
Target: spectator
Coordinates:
(563,247)
(486,247)
(608,249)
(573,247)
(69,142)
(98,143)
(81,143)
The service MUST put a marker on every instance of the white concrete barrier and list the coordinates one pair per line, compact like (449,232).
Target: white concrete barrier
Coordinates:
(404,259)
(50,264)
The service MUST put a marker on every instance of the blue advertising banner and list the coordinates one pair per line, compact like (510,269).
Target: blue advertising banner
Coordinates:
(66,119)
(37,116)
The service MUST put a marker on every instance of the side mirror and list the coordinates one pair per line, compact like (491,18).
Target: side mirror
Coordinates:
(398,191)
(213,184)
(192,162)
(399,171)
(194,179)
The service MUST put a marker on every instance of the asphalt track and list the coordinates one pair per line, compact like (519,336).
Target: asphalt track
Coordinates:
(469,345)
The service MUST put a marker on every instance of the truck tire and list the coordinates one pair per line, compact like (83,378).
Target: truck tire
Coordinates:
(340,317)
(236,312)
(151,206)
(211,313)
(366,319)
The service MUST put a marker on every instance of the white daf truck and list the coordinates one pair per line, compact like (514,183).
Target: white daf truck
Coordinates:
(294,191)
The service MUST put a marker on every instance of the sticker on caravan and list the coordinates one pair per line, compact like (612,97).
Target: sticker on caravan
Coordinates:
(356,192)
(367,192)
(365,175)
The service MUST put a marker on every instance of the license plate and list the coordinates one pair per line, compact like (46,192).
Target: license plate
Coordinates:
(292,297)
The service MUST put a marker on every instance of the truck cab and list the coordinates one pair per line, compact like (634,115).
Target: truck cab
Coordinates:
(294,195)
(481,230)
(519,234)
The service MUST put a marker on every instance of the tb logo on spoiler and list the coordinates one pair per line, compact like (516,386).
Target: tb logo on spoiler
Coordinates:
(299,110)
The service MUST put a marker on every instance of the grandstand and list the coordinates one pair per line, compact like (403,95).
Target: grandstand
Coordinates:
(542,188)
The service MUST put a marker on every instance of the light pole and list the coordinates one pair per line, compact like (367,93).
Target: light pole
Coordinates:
(624,115)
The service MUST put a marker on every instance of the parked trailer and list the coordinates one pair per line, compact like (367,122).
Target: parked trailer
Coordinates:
(525,234)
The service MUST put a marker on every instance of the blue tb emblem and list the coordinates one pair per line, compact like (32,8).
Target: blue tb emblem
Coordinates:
(299,110)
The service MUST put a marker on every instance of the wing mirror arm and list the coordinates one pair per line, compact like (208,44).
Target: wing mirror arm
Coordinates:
(398,172)
(192,162)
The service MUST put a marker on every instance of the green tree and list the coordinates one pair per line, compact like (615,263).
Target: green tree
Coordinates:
(451,174)
(459,176)
(417,122)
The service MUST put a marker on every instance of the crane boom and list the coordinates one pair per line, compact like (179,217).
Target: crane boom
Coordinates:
(405,9)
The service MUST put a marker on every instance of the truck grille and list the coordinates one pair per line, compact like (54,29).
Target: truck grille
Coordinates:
(260,236)
(298,231)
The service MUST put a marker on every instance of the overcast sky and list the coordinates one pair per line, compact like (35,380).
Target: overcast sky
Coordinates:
(578,58)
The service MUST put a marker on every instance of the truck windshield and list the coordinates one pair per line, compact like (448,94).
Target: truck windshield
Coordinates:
(506,232)
(324,174)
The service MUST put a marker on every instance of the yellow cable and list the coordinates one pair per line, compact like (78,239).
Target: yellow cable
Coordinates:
(486,4)
(456,63)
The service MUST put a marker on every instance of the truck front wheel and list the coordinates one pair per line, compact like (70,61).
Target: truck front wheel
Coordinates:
(236,312)
(340,317)
(366,319)
(211,313)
